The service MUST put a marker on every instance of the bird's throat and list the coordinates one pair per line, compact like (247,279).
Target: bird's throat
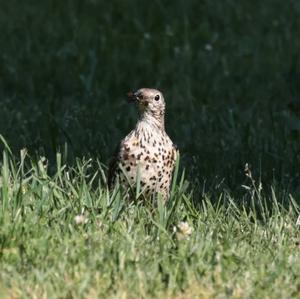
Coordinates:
(152,119)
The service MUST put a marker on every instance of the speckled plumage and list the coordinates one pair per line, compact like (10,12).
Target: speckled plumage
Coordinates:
(147,149)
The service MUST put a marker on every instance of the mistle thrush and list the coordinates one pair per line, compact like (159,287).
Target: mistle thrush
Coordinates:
(146,153)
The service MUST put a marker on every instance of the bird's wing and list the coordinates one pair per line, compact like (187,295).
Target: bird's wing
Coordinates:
(116,159)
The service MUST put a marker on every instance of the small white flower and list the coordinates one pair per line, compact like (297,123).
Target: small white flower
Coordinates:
(80,219)
(183,230)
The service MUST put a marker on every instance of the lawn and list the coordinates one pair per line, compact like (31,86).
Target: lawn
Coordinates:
(230,74)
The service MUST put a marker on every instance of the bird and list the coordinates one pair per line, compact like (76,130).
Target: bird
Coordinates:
(147,153)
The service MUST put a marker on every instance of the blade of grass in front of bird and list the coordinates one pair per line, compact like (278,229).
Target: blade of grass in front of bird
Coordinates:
(175,175)
(117,207)
(161,207)
(160,227)
(138,182)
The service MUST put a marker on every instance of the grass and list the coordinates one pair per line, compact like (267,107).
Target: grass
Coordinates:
(230,75)
(63,235)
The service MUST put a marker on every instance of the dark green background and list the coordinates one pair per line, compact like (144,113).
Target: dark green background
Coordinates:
(230,72)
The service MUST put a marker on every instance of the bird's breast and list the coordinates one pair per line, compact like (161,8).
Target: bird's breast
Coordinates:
(148,156)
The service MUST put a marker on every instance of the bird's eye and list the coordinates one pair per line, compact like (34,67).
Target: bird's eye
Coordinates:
(157,97)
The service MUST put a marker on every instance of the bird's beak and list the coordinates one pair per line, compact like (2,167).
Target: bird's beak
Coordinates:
(132,97)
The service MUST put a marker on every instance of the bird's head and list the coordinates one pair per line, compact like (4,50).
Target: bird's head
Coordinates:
(149,101)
